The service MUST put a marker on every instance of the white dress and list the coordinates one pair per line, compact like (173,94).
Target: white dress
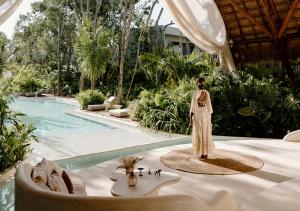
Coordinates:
(202,130)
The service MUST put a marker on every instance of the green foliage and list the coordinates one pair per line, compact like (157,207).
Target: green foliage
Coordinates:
(3,43)
(93,46)
(246,111)
(59,41)
(262,71)
(296,85)
(90,97)
(26,81)
(243,106)
(166,109)
(46,37)
(169,67)
(15,136)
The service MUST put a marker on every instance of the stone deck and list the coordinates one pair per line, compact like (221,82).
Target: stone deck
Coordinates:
(281,163)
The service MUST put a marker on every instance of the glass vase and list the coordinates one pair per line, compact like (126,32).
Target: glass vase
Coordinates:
(132,180)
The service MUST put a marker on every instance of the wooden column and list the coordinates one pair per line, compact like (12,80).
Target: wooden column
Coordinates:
(280,45)
(283,53)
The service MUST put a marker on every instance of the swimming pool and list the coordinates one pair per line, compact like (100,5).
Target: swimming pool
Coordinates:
(81,162)
(51,119)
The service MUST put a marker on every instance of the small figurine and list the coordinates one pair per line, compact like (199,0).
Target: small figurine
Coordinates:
(141,169)
(157,172)
(149,172)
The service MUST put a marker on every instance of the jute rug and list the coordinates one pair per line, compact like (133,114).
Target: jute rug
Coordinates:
(219,162)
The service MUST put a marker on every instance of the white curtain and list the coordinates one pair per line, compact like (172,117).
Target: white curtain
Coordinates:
(7,8)
(201,22)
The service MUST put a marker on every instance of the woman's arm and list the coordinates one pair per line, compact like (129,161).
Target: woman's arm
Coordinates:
(191,119)
(192,110)
(209,106)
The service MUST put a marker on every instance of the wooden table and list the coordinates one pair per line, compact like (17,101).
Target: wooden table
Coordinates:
(148,184)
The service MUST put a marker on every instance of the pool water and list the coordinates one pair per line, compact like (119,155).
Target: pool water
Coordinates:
(51,118)
(81,162)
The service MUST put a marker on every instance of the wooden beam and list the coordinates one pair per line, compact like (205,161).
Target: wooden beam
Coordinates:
(265,40)
(253,28)
(274,11)
(287,18)
(250,18)
(228,33)
(238,22)
(294,18)
(267,10)
(260,12)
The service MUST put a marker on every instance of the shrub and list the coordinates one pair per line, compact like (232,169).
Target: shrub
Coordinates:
(25,81)
(243,106)
(90,97)
(132,107)
(169,67)
(167,109)
(248,106)
(15,136)
(28,85)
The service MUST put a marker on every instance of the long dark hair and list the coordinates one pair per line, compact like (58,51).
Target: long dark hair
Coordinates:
(199,80)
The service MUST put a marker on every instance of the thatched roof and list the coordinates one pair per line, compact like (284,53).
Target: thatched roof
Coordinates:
(262,29)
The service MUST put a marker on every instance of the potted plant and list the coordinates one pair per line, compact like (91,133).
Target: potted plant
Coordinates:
(128,164)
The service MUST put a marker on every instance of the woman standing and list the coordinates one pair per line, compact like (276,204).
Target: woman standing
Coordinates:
(200,119)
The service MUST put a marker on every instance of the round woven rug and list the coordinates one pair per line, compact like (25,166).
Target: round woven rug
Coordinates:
(219,162)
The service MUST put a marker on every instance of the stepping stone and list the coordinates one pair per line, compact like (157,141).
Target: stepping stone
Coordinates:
(96,107)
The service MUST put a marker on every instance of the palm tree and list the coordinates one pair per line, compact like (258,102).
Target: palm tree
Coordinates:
(93,44)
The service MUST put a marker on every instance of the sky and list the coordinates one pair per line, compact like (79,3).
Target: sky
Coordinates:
(8,26)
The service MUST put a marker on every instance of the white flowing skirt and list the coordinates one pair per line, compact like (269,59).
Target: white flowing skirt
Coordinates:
(202,133)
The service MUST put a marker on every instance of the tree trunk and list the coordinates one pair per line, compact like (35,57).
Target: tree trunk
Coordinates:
(127,19)
(134,71)
(93,84)
(81,83)
(180,44)
(59,81)
(98,5)
(60,28)
(59,68)
(142,32)
(159,16)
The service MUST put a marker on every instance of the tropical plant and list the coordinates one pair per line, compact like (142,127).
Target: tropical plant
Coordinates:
(169,67)
(93,44)
(262,71)
(15,136)
(243,106)
(3,43)
(166,109)
(90,97)
(253,101)
(26,80)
